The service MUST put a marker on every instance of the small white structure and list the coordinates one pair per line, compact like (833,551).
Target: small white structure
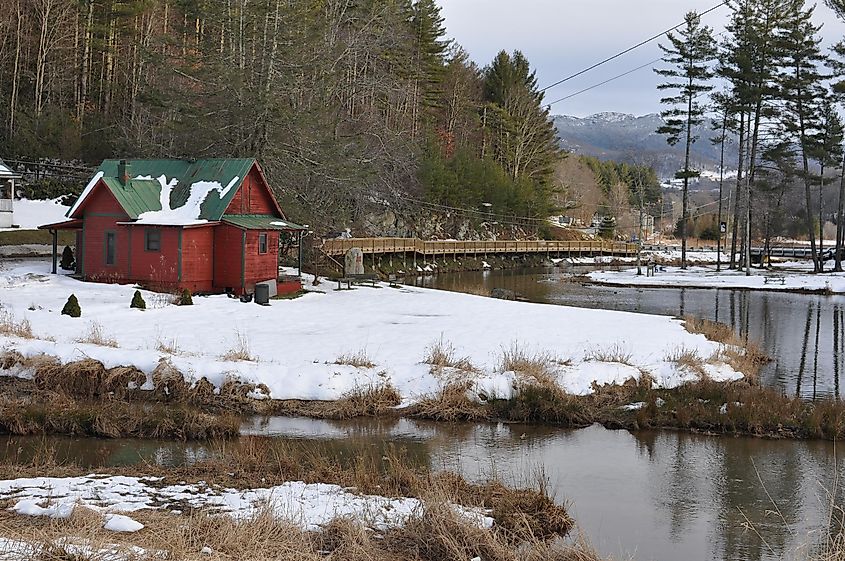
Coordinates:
(7,195)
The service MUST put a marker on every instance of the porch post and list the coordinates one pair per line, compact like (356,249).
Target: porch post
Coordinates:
(299,269)
(55,234)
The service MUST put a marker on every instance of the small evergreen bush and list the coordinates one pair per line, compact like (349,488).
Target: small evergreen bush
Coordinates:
(138,301)
(72,308)
(185,298)
(68,263)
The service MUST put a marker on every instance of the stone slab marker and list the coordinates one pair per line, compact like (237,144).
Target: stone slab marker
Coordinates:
(353,262)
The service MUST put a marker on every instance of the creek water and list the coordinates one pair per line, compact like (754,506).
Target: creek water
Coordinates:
(803,333)
(647,496)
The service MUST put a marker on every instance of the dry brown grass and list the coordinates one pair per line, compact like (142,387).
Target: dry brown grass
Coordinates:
(527,520)
(688,359)
(363,401)
(451,403)
(743,355)
(11,327)
(168,346)
(96,336)
(615,353)
(358,359)
(239,351)
(442,354)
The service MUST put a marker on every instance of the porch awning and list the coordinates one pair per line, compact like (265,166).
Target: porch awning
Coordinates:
(260,222)
(75,224)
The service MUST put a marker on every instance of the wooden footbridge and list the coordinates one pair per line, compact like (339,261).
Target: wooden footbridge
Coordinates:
(416,247)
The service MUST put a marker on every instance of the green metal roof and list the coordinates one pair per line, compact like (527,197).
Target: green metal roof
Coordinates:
(144,194)
(260,222)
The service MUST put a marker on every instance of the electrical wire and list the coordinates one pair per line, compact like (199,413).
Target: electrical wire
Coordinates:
(629,49)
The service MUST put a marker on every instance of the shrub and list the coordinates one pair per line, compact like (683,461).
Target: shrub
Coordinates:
(138,301)
(68,263)
(185,298)
(71,307)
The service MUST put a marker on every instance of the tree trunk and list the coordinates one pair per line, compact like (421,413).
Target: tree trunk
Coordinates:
(737,194)
(839,216)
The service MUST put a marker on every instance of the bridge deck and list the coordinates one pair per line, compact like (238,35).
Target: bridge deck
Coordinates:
(340,246)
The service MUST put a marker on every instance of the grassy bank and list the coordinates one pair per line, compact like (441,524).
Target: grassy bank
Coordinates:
(85,398)
(527,520)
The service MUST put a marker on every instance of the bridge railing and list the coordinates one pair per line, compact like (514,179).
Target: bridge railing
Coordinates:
(340,246)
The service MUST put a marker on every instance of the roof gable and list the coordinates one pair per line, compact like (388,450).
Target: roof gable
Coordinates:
(178,192)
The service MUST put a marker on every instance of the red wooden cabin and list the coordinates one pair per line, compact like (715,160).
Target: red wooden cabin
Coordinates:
(205,225)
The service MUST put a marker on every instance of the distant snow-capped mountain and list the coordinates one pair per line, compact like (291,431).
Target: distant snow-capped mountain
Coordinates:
(628,138)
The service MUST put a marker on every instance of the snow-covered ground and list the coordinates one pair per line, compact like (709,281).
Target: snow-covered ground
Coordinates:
(661,256)
(707,277)
(308,505)
(296,345)
(29,215)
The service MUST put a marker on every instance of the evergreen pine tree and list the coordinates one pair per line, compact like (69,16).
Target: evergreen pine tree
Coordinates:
(690,52)
(138,301)
(67,262)
(71,307)
(800,79)
(828,153)
(185,298)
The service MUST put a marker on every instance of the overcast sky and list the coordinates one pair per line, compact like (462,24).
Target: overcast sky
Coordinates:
(561,37)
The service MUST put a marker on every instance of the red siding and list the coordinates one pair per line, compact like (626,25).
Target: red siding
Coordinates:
(227,257)
(253,197)
(261,266)
(159,269)
(101,214)
(198,259)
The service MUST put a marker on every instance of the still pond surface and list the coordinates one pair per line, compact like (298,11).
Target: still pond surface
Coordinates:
(648,496)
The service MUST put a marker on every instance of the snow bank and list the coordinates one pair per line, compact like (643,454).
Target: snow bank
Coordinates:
(296,344)
(702,277)
(29,215)
(309,505)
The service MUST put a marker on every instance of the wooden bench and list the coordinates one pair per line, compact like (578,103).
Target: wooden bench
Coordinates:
(780,279)
(356,279)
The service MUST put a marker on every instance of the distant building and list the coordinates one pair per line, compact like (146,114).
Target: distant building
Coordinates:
(204,225)
(7,195)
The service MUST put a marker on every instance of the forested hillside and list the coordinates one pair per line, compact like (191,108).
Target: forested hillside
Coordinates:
(361,113)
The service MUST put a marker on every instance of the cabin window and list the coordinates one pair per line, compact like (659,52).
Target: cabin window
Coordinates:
(152,239)
(262,242)
(110,248)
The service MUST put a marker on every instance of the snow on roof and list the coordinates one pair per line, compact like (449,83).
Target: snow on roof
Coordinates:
(7,172)
(187,214)
(85,192)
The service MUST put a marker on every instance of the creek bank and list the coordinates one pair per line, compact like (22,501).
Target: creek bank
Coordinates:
(375,508)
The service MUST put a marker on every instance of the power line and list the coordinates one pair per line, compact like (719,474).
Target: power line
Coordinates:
(629,49)
(605,82)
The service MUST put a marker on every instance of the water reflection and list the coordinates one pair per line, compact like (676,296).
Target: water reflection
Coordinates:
(804,333)
(650,495)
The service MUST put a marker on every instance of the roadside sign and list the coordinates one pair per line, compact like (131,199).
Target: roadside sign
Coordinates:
(723,227)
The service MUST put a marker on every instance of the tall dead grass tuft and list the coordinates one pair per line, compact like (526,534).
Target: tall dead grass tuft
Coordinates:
(451,403)
(239,351)
(363,401)
(442,354)
(11,327)
(742,354)
(358,359)
(96,336)
(614,353)
(688,359)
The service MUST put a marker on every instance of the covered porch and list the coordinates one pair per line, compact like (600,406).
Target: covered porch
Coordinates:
(74,225)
